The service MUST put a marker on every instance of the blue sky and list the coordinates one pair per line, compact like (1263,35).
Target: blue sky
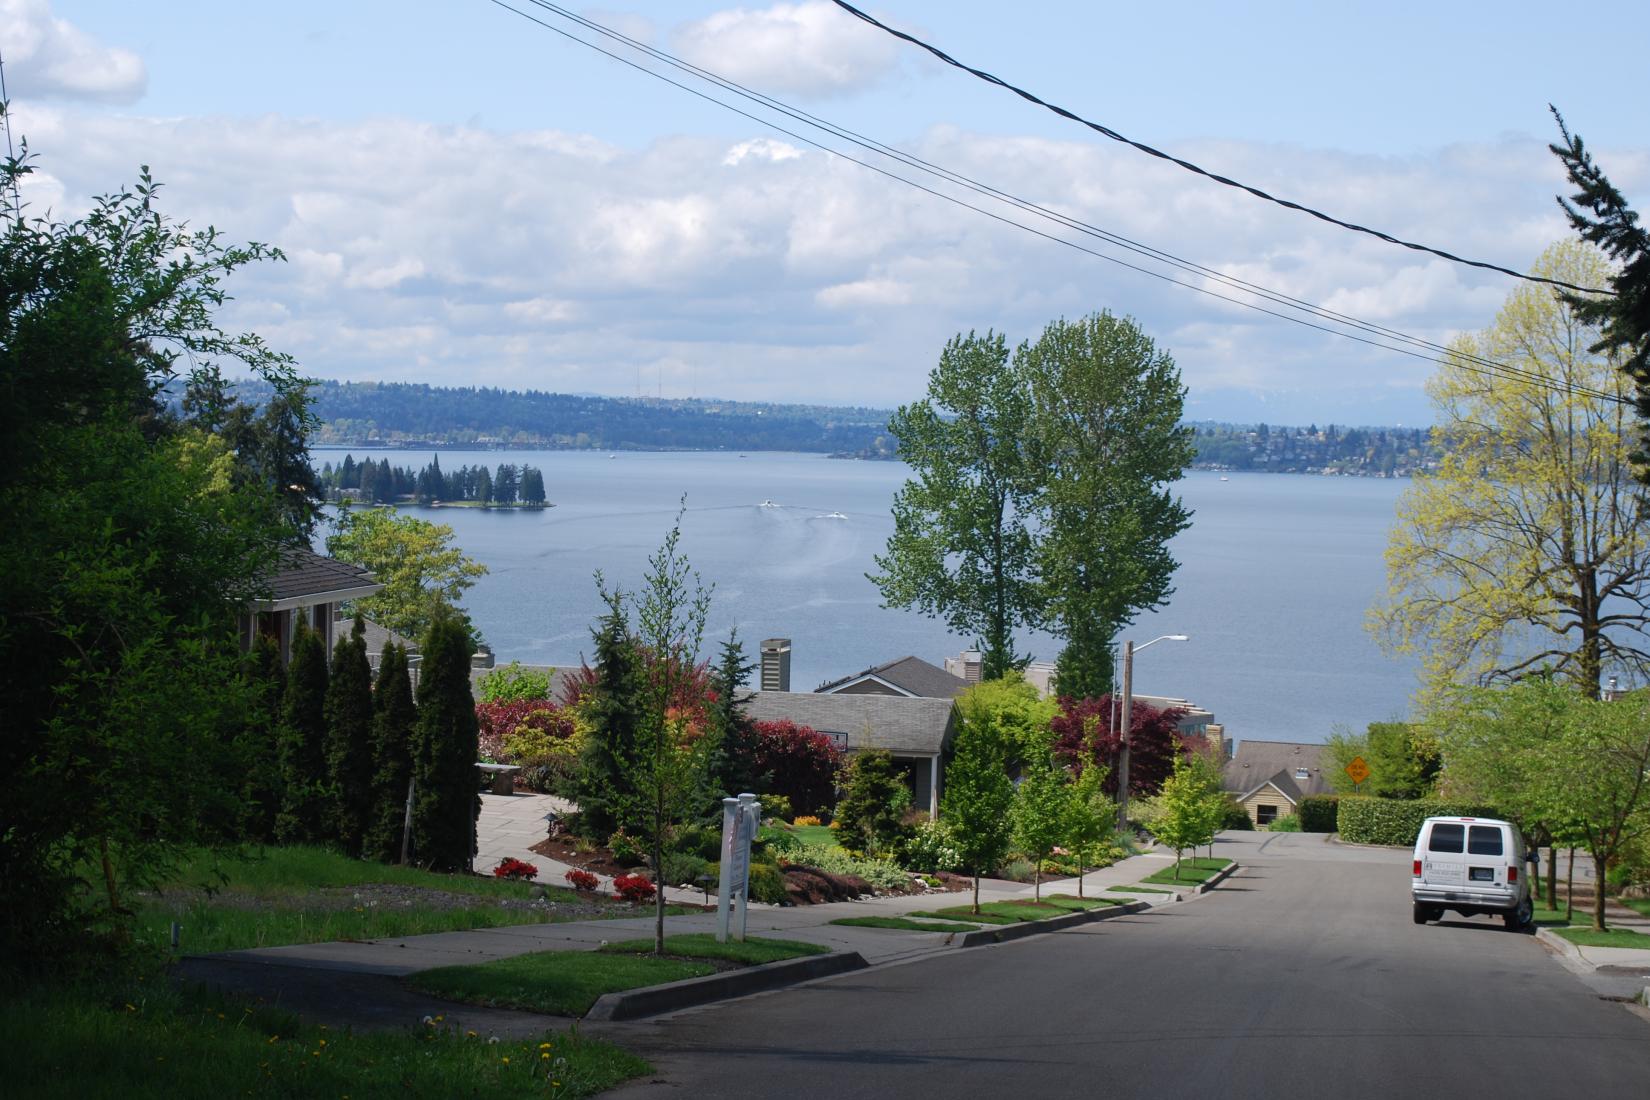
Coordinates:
(467,198)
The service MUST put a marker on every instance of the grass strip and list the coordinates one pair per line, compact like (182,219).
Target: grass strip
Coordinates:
(1139,890)
(1615,937)
(703,945)
(1000,912)
(561,983)
(1195,870)
(907,924)
(76,1043)
(1078,905)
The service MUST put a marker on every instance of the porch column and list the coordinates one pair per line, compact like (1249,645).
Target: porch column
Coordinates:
(934,787)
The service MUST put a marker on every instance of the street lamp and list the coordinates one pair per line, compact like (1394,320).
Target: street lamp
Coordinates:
(1129,650)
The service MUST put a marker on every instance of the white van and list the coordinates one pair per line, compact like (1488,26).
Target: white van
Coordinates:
(1472,865)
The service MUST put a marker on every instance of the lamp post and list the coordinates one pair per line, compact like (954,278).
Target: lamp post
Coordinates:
(1129,650)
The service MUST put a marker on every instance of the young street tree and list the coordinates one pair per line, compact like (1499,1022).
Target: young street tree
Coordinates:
(1186,820)
(1040,814)
(415,560)
(978,795)
(1089,817)
(962,543)
(1529,549)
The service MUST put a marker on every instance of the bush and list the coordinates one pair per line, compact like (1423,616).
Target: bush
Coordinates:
(514,684)
(801,764)
(874,801)
(775,806)
(582,881)
(683,869)
(627,850)
(767,885)
(805,820)
(878,873)
(698,840)
(1018,870)
(1364,820)
(495,722)
(634,888)
(1288,823)
(929,848)
(1236,817)
(1317,813)
(515,869)
(777,841)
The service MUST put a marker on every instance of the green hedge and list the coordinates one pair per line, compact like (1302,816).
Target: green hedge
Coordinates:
(1317,813)
(1364,820)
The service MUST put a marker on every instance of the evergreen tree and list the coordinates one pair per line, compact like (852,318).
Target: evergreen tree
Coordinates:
(303,818)
(349,714)
(977,795)
(392,754)
(1041,814)
(734,762)
(874,801)
(484,486)
(445,744)
(615,714)
(261,741)
(504,484)
(532,485)
(349,475)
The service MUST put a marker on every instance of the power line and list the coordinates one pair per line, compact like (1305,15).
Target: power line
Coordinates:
(1377,334)
(1107,131)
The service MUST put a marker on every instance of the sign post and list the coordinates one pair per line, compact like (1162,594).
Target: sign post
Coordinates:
(740,818)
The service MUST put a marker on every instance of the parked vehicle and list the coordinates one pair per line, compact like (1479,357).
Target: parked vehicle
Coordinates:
(1472,865)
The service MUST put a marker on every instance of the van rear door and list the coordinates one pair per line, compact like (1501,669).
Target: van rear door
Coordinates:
(1444,863)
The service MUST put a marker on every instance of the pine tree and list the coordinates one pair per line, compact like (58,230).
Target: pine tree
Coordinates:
(484,486)
(734,761)
(392,754)
(261,740)
(977,795)
(615,715)
(303,818)
(445,745)
(349,739)
(532,485)
(874,799)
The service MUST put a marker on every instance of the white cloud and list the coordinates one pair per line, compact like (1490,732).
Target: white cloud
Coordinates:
(812,48)
(865,292)
(47,57)
(766,149)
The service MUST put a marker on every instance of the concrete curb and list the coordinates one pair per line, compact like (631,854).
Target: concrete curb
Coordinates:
(633,1004)
(1561,945)
(1003,933)
(1205,887)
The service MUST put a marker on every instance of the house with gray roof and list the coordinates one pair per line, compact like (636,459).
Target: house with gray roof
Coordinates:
(911,677)
(917,732)
(1269,778)
(306,587)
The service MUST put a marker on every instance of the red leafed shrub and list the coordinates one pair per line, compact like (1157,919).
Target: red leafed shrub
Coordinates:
(496,721)
(512,868)
(634,888)
(802,764)
(1083,734)
(582,881)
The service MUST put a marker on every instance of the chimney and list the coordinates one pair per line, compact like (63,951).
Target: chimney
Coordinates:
(1216,733)
(776,664)
(965,665)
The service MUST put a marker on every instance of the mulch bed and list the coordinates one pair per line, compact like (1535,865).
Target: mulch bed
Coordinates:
(565,849)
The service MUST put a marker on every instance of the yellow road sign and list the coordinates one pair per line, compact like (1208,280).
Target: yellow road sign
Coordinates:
(1358,770)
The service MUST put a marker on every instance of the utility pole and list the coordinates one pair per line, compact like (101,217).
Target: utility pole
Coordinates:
(1123,741)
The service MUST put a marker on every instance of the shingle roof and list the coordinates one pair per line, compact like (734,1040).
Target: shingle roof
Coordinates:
(1256,762)
(909,674)
(893,722)
(304,573)
(375,636)
(1282,781)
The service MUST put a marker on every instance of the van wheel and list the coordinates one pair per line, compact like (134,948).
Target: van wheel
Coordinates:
(1519,919)
(1423,913)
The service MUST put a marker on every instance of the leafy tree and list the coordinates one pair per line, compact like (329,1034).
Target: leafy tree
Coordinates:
(1600,214)
(875,797)
(349,714)
(1090,815)
(1041,814)
(1403,760)
(484,487)
(798,763)
(1529,549)
(1185,819)
(1085,734)
(447,799)
(1019,713)
(978,795)
(962,547)
(1104,427)
(305,797)
(532,485)
(393,719)
(1340,749)
(421,570)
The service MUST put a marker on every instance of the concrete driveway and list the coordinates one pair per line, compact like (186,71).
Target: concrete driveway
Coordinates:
(1303,976)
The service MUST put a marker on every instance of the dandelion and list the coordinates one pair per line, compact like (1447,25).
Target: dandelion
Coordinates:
(544,1046)
(471,1034)
(492,1040)
(544,1057)
(505,1059)
(321,1042)
(272,1038)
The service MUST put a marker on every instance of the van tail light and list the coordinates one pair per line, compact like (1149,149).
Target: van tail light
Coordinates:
(1512,874)
(1417,868)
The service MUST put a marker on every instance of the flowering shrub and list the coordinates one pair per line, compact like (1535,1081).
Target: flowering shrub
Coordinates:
(582,881)
(515,869)
(930,848)
(806,819)
(634,888)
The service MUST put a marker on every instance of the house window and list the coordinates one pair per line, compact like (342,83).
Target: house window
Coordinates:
(1265,815)
(1302,773)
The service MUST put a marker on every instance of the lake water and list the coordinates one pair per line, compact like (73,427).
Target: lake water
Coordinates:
(1276,574)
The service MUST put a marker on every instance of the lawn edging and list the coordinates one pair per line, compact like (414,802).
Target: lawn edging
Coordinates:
(1002,933)
(634,1004)
(1559,943)
(1220,876)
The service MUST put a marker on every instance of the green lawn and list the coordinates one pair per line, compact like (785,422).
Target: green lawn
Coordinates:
(1192,871)
(1077,904)
(1139,890)
(814,834)
(703,945)
(1001,912)
(149,1041)
(256,899)
(907,924)
(1615,937)
(1638,905)
(561,983)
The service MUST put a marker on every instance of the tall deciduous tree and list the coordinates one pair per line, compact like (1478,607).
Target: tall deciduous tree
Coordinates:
(977,795)
(393,719)
(1106,405)
(1528,549)
(304,816)
(962,547)
(445,743)
(349,715)
(422,572)
(1085,733)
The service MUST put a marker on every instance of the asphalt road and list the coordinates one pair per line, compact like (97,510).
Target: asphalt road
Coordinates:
(1302,976)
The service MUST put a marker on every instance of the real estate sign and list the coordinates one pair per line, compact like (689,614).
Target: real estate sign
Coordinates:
(740,818)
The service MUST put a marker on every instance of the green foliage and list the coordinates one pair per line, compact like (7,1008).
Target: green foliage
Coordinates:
(613,712)
(445,742)
(879,873)
(627,850)
(260,738)
(1090,815)
(349,714)
(1019,715)
(422,572)
(305,796)
(1288,823)
(684,869)
(1364,820)
(931,848)
(767,884)
(392,754)
(514,684)
(1317,813)
(776,807)
(977,795)
(733,766)
(873,804)
(1403,761)
(1189,812)
(1041,813)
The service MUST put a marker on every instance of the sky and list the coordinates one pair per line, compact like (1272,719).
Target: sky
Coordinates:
(468,198)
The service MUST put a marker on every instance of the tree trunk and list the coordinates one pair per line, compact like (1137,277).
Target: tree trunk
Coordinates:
(1552,873)
(1598,891)
(1570,891)
(1080,864)
(109,875)
(976,889)
(1037,881)
(659,889)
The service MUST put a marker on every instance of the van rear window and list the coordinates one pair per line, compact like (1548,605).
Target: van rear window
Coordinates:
(1446,838)
(1483,840)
